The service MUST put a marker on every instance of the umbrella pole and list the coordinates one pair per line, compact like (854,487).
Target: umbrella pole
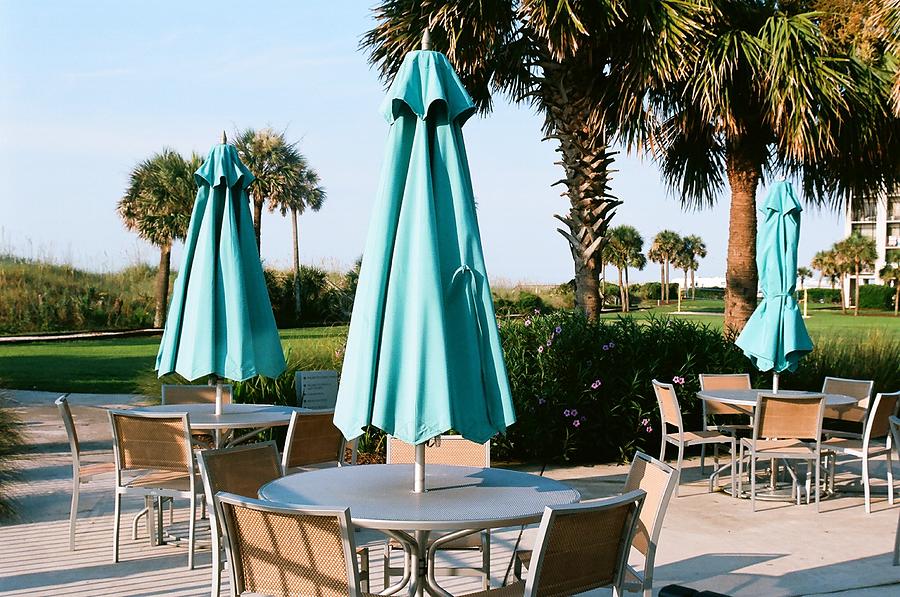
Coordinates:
(775,383)
(419,485)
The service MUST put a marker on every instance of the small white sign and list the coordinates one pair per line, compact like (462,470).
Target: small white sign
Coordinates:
(317,390)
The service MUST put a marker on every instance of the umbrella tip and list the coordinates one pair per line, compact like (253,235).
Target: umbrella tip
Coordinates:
(224,138)
(426,39)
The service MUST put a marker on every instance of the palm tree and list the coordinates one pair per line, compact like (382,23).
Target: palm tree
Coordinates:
(860,253)
(664,250)
(803,273)
(768,94)
(303,190)
(890,275)
(625,250)
(583,65)
(698,251)
(157,205)
(267,154)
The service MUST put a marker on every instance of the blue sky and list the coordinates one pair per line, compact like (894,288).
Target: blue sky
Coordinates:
(88,89)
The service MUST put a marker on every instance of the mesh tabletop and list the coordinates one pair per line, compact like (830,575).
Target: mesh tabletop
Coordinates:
(749,397)
(380,495)
(234,416)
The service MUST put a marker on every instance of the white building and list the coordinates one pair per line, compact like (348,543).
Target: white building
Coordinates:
(877,218)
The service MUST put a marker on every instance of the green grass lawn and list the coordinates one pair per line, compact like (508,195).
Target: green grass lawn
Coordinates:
(126,365)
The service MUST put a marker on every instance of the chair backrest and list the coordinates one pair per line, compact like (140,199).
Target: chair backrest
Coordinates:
(780,416)
(241,470)
(160,441)
(669,409)
(880,412)
(280,551)
(861,389)
(723,381)
(312,438)
(657,479)
(453,450)
(197,394)
(584,546)
(62,403)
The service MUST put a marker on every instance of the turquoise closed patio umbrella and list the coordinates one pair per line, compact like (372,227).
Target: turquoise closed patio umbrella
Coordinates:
(220,322)
(423,354)
(775,337)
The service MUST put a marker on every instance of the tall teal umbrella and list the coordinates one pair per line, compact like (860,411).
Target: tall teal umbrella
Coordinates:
(423,354)
(220,322)
(775,337)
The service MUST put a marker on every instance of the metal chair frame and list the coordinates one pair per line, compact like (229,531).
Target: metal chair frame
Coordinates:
(161,490)
(288,461)
(895,434)
(722,381)
(223,501)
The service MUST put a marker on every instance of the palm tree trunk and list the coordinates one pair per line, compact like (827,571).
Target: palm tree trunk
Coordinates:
(896,296)
(627,293)
(856,291)
(740,274)
(662,281)
(693,286)
(162,286)
(257,219)
(843,301)
(295,233)
(621,290)
(668,279)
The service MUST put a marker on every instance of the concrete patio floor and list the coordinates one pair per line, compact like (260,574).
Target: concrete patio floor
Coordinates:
(709,541)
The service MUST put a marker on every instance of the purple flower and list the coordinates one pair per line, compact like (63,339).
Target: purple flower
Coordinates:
(596,384)
(574,412)
(541,401)
(645,422)
(540,349)
(576,423)
(612,344)
(549,343)
(567,413)
(606,347)
(649,429)
(537,311)
(527,321)
(558,330)
(583,418)
(678,380)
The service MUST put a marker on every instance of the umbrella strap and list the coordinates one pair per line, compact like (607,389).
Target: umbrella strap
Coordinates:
(469,274)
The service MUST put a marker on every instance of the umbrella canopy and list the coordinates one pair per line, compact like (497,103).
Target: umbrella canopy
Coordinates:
(775,337)
(423,354)
(220,322)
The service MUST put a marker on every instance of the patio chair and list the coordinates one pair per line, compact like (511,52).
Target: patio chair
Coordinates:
(81,473)
(312,439)
(657,480)
(785,428)
(877,428)
(580,547)
(727,416)
(449,450)
(282,551)
(895,435)
(855,388)
(196,394)
(670,415)
(159,443)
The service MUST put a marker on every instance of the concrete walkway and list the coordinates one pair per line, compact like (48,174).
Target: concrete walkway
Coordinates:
(710,541)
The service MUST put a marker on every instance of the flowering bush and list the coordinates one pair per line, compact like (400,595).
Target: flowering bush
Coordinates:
(582,389)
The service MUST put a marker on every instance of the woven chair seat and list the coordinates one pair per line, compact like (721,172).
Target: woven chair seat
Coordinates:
(710,436)
(173,480)
(782,447)
(100,468)
(853,447)
(517,588)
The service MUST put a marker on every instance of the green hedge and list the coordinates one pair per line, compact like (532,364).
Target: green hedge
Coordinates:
(320,301)
(827,296)
(876,296)
(650,291)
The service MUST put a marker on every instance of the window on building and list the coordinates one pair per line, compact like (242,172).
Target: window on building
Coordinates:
(864,209)
(893,235)
(893,207)
(867,230)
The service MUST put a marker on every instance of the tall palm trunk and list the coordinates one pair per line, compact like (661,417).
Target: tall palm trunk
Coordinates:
(896,297)
(693,286)
(162,285)
(843,300)
(621,290)
(586,160)
(258,201)
(662,281)
(740,275)
(668,279)
(295,233)
(856,290)
(627,293)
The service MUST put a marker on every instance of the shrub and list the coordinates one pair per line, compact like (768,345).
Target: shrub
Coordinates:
(650,291)
(876,296)
(828,296)
(321,301)
(520,303)
(11,441)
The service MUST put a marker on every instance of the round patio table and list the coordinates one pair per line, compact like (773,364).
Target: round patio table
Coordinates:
(203,417)
(746,400)
(457,498)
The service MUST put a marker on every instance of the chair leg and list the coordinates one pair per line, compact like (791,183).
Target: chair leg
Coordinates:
(740,476)
(192,512)
(752,481)
(890,478)
(216,556)
(678,468)
(867,496)
(733,449)
(117,510)
(662,448)
(73,512)
(364,570)
(387,565)
(818,479)
(159,521)
(486,559)
(897,544)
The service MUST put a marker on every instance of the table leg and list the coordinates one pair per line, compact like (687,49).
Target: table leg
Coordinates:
(419,565)
(408,544)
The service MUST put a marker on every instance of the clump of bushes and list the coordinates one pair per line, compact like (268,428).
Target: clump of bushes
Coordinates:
(828,296)
(652,291)
(11,441)
(876,296)
(522,303)
(321,299)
